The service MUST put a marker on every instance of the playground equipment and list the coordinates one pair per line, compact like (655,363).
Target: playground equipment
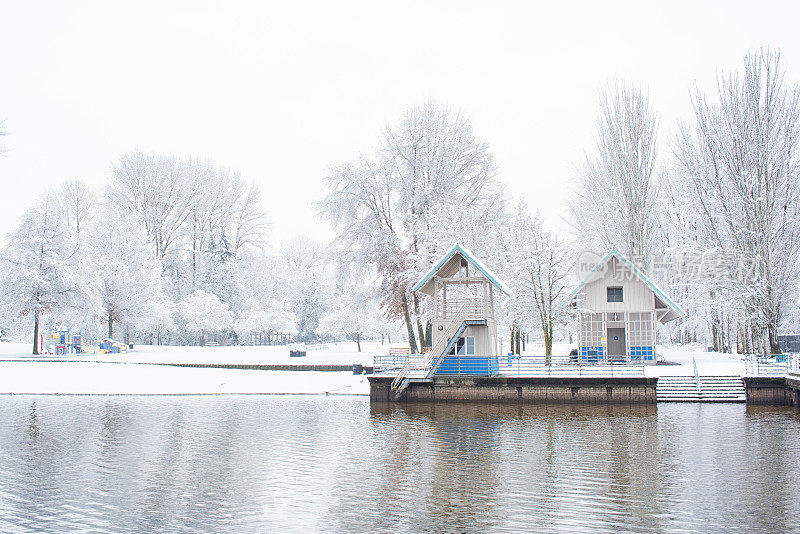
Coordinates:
(111,346)
(64,342)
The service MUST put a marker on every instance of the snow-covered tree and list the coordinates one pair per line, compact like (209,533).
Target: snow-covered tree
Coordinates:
(613,205)
(394,211)
(355,314)
(129,275)
(255,319)
(203,312)
(740,191)
(550,279)
(188,201)
(44,267)
(537,266)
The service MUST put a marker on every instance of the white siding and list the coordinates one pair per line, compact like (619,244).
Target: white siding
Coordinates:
(636,295)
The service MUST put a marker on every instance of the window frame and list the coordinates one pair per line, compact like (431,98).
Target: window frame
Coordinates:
(462,345)
(615,288)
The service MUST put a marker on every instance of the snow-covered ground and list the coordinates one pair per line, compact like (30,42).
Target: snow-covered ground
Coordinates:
(345,353)
(708,363)
(136,372)
(131,379)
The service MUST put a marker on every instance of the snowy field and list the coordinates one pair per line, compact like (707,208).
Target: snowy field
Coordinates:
(132,373)
(345,353)
(136,372)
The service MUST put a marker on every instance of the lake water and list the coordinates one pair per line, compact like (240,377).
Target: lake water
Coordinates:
(302,463)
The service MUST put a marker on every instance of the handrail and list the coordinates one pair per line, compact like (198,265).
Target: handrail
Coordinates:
(696,375)
(761,365)
(438,347)
(475,305)
(793,362)
(531,366)
(444,339)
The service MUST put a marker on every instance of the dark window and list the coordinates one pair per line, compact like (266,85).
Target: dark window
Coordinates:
(614,294)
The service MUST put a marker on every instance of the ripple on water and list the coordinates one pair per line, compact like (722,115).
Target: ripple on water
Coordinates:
(233,463)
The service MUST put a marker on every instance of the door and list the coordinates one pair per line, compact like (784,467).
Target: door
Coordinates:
(616,342)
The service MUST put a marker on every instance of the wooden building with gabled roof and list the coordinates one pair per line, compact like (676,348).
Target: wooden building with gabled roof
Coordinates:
(618,308)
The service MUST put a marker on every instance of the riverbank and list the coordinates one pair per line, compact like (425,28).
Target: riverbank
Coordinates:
(149,370)
(162,370)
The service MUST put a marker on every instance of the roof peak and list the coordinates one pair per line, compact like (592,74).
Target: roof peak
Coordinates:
(637,271)
(470,257)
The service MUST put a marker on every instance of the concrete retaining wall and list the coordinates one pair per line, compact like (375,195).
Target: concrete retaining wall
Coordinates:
(773,391)
(522,390)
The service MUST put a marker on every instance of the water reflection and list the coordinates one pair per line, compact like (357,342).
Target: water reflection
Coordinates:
(225,464)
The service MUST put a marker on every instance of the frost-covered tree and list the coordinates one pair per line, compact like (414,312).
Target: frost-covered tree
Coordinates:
(78,206)
(3,132)
(537,266)
(740,190)
(188,201)
(355,314)
(129,275)
(156,189)
(614,203)
(393,211)
(45,270)
(273,318)
(550,279)
(306,282)
(200,220)
(203,312)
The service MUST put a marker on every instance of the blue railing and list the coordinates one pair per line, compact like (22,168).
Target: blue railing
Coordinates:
(469,365)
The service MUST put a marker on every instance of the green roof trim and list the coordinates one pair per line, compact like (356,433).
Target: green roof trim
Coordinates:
(657,290)
(470,257)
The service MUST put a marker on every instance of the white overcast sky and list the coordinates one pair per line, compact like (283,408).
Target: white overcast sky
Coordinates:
(281,91)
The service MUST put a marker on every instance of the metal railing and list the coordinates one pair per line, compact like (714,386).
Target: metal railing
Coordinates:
(515,366)
(696,376)
(772,365)
(383,363)
(425,362)
(472,307)
(536,366)
(793,365)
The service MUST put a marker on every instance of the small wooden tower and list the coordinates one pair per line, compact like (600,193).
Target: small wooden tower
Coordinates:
(463,289)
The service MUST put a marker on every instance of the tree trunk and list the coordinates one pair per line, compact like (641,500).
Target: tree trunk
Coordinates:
(547,330)
(774,346)
(422,341)
(36,347)
(358,341)
(110,326)
(412,342)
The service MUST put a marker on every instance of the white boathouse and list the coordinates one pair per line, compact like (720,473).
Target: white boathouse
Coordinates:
(617,308)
